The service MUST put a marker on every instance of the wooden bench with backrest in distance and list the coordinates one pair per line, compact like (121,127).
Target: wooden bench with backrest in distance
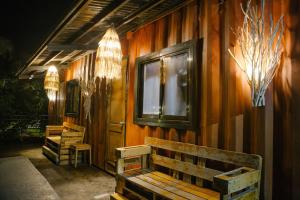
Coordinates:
(206,179)
(58,140)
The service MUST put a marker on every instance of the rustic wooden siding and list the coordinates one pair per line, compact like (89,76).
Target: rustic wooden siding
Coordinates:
(286,100)
(95,131)
(226,115)
(227,119)
(198,19)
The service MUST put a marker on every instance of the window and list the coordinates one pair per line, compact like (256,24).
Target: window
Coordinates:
(166,87)
(72,98)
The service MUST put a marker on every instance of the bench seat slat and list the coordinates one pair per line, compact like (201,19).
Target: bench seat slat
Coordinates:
(213,194)
(170,184)
(185,167)
(54,139)
(155,189)
(169,187)
(200,192)
(117,196)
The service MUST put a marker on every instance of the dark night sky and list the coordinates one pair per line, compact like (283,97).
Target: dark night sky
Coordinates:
(27,23)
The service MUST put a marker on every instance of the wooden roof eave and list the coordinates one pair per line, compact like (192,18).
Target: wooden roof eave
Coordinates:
(86,37)
(70,16)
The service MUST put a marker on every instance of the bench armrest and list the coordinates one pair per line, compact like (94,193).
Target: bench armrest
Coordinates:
(124,152)
(53,130)
(237,180)
(132,151)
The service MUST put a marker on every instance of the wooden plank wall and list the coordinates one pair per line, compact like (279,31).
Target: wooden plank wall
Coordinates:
(286,97)
(198,19)
(95,131)
(225,115)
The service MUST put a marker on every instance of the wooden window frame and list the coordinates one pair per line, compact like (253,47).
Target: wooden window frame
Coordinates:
(70,85)
(191,120)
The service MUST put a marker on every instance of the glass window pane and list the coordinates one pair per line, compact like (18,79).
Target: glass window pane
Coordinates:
(151,88)
(175,89)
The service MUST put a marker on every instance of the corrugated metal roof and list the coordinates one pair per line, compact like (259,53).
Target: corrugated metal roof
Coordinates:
(87,22)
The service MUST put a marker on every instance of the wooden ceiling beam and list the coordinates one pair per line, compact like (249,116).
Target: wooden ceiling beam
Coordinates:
(43,67)
(50,58)
(70,47)
(35,76)
(71,55)
(131,17)
(177,7)
(99,18)
(144,9)
(109,11)
(36,70)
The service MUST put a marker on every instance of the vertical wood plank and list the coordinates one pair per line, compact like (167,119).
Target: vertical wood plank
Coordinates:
(200,162)
(140,44)
(160,42)
(204,11)
(239,133)
(227,139)
(285,84)
(224,92)
(189,31)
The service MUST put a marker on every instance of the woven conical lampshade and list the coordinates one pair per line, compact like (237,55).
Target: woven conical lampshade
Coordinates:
(51,83)
(109,56)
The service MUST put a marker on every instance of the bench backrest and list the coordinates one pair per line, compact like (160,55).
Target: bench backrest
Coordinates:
(199,156)
(74,127)
(73,134)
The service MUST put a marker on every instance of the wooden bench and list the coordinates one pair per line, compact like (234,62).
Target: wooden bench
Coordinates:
(193,172)
(58,140)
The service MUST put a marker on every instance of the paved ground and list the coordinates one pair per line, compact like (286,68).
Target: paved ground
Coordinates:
(19,179)
(84,182)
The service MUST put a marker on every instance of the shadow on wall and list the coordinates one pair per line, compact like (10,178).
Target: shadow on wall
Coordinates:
(287,109)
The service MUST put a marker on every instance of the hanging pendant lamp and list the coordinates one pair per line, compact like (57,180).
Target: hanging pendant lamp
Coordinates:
(51,83)
(109,56)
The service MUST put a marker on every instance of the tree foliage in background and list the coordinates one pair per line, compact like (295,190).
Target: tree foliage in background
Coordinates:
(22,97)
(18,97)
(8,63)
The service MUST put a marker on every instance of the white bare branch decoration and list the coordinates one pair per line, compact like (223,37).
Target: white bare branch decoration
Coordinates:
(87,90)
(260,50)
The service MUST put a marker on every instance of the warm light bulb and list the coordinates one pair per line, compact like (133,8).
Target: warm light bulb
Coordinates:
(52,69)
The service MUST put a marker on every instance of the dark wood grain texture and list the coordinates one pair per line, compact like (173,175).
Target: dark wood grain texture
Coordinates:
(226,116)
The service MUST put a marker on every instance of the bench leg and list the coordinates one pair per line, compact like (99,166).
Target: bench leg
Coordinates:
(120,185)
(70,156)
(90,157)
(76,155)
